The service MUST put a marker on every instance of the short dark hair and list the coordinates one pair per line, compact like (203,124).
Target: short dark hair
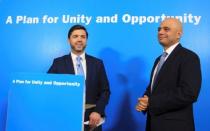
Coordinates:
(77,27)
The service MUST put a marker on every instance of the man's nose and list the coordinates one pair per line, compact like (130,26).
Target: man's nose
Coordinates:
(161,32)
(79,38)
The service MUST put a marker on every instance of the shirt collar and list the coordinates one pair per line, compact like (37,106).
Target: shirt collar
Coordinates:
(171,48)
(74,56)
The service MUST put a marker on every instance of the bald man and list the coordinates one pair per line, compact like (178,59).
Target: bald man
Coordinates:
(174,84)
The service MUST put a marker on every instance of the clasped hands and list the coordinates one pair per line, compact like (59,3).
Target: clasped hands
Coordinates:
(142,103)
(94,119)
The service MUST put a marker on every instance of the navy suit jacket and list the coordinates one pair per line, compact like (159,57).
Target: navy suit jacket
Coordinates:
(177,86)
(97,85)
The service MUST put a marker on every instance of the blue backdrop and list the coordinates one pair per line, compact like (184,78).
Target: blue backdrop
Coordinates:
(122,33)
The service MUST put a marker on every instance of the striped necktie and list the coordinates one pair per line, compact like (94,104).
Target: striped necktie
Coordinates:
(80,70)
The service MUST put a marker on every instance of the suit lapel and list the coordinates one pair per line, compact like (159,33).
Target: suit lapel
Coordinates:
(88,67)
(166,66)
(89,74)
(69,64)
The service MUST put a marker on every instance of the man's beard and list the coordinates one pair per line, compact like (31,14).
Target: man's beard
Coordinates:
(78,50)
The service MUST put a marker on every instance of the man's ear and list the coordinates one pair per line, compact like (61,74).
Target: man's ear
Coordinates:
(179,34)
(68,40)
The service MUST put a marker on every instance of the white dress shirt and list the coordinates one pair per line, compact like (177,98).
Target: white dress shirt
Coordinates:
(168,51)
(83,61)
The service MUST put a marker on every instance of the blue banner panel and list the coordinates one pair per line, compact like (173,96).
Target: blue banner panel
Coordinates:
(45,102)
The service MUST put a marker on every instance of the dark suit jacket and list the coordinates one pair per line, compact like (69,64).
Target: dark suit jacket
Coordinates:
(97,85)
(176,88)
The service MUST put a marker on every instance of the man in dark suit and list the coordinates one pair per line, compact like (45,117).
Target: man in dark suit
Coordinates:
(97,85)
(174,84)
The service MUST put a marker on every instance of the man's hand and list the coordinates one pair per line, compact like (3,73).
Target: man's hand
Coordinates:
(142,103)
(94,119)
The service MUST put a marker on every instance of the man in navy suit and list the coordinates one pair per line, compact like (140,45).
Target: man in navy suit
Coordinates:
(97,85)
(174,84)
